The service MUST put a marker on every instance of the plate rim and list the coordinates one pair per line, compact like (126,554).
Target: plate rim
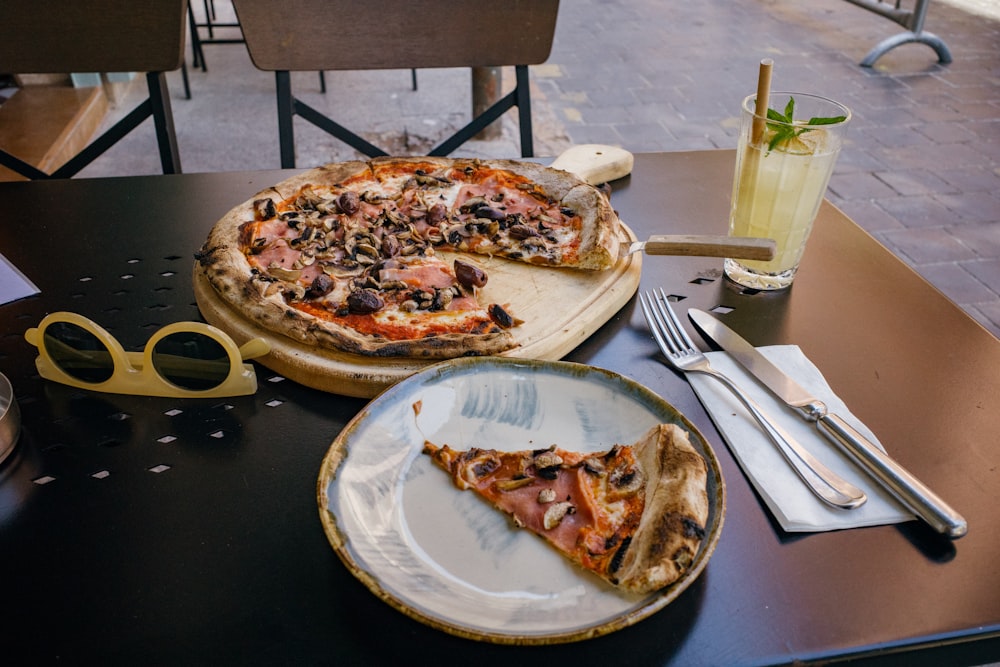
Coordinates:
(338,452)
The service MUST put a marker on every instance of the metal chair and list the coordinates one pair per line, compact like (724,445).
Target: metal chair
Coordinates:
(305,35)
(62,36)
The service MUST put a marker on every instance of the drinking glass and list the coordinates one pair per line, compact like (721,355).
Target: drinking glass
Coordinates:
(782,170)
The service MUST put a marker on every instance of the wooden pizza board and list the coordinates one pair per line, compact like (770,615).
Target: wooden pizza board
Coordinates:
(560,307)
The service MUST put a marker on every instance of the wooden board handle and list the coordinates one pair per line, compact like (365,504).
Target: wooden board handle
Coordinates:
(595,163)
(737,247)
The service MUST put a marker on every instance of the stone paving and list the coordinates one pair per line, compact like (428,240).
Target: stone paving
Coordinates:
(921,170)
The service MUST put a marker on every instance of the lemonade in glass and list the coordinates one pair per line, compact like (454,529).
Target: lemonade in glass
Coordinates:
(783,165)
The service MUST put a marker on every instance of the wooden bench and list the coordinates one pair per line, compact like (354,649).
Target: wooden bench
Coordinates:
(46,125)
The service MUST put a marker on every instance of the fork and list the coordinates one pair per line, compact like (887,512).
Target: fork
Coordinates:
(681,353)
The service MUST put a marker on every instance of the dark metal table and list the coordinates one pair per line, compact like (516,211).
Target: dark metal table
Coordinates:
(160,531)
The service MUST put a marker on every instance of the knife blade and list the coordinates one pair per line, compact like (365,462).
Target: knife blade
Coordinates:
(893,477)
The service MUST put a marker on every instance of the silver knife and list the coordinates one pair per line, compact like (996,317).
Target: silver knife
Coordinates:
(893,477)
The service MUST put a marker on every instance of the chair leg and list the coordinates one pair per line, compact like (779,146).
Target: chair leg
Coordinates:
(187,82)
(286,109)
(18,165)
(163,119)
(524,110)
(209,15)
(197,53)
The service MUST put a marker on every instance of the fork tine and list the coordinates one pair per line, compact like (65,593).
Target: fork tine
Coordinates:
(657,326)
(669,325)
(676,327)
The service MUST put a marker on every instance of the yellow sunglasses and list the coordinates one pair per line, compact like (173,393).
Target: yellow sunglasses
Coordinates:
(181,360)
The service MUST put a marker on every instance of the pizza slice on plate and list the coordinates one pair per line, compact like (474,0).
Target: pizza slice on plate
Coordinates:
(635,515)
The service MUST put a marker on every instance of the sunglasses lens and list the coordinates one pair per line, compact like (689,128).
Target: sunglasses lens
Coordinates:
(191,360)
(79,353)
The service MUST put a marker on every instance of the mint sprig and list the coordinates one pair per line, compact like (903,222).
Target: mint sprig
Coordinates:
(785,132)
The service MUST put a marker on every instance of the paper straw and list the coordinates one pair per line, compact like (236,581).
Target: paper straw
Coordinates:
(763,93)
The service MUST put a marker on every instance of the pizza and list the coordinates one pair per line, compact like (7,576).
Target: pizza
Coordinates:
(379,257)
(634,515)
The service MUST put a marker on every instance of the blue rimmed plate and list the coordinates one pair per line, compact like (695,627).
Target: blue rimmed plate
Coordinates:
(452,561)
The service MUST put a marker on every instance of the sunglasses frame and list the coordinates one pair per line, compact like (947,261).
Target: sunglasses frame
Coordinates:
(134,372)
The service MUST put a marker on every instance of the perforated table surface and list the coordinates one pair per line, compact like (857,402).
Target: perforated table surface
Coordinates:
(138,530)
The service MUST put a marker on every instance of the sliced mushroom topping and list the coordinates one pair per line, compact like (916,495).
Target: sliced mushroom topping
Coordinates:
(626,480)
(546,496)
(307,235)
(594,466)
(281,273)
(473,204)
(490,213)
(263,209)
(548,459)
(521,232)
(456,233)
(307,199)
(423,178)
(304,260)
(512,484)
(442,299)
(328,207)
(547,464)
(555,514)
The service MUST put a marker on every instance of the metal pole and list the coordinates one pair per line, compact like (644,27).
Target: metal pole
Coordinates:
(486,84)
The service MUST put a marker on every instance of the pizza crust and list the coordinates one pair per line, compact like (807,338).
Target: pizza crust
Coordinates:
(600,244)
(675,515)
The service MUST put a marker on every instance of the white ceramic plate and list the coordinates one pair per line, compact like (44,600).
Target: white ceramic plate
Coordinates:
(446,557)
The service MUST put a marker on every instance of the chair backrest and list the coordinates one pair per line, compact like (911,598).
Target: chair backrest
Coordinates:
(303,35)
(59,36)
(64,36)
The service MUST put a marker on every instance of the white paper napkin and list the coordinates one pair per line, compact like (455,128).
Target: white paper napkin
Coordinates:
(14,285)
(792,503)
